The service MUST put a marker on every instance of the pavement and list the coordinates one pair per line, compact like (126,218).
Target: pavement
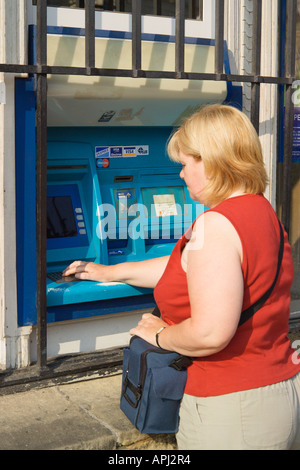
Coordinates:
(82,415)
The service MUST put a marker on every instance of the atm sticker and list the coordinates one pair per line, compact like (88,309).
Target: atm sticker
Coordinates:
(116,252)
(124,194)
(102,152)
(129,152)
(116,152)
(121,151)
(106,117)
(135,150)
(102,162)
(142,149)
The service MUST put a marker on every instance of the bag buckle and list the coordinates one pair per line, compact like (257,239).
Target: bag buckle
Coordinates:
(137,391)
(181,363)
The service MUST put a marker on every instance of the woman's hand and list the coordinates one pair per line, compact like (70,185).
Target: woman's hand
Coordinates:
(89,271)
(147,328)
(136,273)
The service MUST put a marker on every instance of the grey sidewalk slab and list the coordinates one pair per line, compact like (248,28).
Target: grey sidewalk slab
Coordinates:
(78,416)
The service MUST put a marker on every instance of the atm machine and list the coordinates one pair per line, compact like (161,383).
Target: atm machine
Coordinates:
(127,205)
(113,195)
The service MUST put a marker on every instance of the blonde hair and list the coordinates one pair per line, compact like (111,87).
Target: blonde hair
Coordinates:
(227,143)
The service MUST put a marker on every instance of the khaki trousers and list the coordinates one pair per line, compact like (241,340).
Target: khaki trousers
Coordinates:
(266,418)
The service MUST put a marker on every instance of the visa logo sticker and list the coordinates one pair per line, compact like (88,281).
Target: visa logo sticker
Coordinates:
(129,152)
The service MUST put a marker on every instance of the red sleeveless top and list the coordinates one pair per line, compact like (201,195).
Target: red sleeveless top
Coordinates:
(260,353)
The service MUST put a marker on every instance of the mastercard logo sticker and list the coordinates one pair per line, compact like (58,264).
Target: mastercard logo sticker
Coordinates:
(102,162)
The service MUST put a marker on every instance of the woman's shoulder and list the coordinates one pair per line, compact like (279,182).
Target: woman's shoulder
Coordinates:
(214,229)
(237,211)
(212,222)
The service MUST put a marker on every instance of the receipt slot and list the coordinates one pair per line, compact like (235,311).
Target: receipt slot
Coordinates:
(113,195)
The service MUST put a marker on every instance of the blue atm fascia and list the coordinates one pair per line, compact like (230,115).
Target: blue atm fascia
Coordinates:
(76,174)
(73,171)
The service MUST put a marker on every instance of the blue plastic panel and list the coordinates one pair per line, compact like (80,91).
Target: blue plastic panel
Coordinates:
(25,200)
(99,308)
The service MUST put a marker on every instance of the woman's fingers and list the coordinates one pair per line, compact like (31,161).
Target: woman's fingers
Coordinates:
(75,267)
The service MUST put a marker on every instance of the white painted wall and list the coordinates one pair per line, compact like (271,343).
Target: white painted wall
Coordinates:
(14,350)
(269,93)
(238,33)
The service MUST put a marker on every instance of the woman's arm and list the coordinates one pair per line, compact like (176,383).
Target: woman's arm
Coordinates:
(215,286)
(141,273)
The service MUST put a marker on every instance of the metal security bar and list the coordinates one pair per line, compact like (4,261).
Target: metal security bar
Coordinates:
(41,185)
(41,70)
(256,56)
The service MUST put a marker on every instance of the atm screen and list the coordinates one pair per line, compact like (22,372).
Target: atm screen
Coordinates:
(66,220)
(60,217)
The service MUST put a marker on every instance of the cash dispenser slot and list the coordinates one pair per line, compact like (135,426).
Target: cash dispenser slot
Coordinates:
(123,179)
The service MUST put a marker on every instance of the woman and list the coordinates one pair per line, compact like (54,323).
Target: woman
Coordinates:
(243,387)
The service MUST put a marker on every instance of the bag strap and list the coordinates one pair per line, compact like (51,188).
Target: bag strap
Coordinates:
(249,312)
